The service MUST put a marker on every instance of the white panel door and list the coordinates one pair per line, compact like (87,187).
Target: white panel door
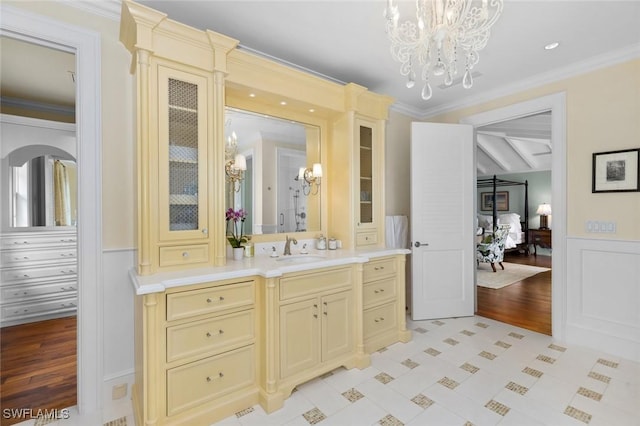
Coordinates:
(442,206)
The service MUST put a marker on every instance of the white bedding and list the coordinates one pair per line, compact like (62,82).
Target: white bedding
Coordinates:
(515,236)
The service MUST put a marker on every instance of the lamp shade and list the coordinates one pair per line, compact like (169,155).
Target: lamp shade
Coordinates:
(544,209)
(240,162)
(317,170)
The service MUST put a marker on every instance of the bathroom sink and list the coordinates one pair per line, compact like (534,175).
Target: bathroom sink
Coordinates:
(301,258)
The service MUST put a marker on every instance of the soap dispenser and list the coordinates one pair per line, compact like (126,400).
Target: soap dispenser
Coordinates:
(321,243)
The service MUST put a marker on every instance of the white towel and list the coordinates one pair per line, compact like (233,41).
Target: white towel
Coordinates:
(397,231)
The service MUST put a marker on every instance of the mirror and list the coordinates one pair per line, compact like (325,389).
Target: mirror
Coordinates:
(42,188)
(270,190)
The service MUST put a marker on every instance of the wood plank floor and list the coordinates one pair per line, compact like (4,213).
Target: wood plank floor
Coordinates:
(38,366)
(525,304)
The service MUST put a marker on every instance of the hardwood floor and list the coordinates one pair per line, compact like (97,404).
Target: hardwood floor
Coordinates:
(38,366)
(525,304)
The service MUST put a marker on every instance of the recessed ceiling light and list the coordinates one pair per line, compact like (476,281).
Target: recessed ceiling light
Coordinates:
(252,95)
(283,102)
(312,110)
(552,46)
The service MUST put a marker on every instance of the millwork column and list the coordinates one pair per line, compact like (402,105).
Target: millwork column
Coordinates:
(144,202)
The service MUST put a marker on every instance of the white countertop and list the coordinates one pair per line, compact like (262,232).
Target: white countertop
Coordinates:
(260,265)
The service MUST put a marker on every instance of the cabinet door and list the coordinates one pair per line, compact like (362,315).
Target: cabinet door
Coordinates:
(299,336)
(337,325)
(182,154)
(366,173)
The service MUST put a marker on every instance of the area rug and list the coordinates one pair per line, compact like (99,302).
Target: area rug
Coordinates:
(512,273)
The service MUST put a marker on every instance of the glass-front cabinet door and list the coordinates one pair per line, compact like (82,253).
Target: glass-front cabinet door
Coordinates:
(182,127)
(366,175)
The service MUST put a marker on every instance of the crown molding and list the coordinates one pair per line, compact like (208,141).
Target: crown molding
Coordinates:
(109,9)
(577,68)
(6,101)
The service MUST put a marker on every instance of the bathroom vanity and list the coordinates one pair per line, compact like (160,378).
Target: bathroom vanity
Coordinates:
(217,340)
(215,336)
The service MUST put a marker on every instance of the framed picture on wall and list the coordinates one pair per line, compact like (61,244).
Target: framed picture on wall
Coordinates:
(616,171)
(502,201)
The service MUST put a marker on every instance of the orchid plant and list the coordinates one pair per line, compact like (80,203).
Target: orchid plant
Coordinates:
(235,227)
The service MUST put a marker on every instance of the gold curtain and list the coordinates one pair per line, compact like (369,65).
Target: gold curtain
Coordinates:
(61,194)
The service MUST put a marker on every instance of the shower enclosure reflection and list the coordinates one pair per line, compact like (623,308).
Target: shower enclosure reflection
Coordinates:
(271,192)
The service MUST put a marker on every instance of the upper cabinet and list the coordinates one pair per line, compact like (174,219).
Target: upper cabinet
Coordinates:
(180,75)
(186,79)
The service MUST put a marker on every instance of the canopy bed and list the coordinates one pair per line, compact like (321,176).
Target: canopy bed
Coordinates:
(518,236)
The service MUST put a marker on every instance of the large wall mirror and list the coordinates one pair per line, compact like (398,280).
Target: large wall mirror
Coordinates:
(269,186)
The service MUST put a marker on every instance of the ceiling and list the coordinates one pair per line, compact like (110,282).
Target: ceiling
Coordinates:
(344,41)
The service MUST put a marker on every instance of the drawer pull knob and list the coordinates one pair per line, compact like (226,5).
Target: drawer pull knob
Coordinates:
(185,254)
(381,290)
(315,315)
(220,375)
(220,331)
(205,231)
(208,334)
(209,300)
(221,299)
(378,268)
(379,319)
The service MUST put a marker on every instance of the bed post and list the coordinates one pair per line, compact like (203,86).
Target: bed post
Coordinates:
(495,206)
(526,216)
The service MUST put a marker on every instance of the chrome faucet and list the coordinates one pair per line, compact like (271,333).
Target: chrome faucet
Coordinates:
(287,245)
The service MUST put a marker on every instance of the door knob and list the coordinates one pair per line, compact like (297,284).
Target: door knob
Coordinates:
(418,244)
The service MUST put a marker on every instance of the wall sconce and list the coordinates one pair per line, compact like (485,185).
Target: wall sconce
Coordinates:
(544,210)
(235,171)
(309,178)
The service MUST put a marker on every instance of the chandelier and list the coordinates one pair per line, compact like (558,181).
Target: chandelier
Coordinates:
(444,30)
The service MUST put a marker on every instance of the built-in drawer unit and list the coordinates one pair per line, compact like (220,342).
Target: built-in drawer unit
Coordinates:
(209,300)
(184,255)
(197,382)
(379,268)
(302,284)
(38,275)
(379,291)
(366,238)
(210,335)
(380,320)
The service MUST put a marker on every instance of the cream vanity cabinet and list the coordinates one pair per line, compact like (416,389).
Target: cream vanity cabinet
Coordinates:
(38,276)
(360,161)
(180,75)
(198,355)
(316,319)
(383,286)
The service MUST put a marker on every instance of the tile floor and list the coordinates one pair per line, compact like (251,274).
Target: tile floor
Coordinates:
(465,371)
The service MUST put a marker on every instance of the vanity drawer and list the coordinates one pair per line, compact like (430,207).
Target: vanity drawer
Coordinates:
(379,291)
(195,383)
(209,300)
(292,286)
(366,238)
(210,335)
(379,320)
(376,269)
(184,255)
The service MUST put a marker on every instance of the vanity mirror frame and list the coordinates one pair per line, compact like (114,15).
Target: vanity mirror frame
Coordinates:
(241,99)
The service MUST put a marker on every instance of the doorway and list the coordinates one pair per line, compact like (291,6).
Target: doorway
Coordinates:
(39,214)
(518,152)
(556,105)
(20,24)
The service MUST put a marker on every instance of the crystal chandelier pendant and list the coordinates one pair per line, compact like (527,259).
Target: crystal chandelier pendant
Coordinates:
(441,31)
(426,93)
(467,80)
(411,81)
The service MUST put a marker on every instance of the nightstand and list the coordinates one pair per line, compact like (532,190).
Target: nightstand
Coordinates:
(540,237)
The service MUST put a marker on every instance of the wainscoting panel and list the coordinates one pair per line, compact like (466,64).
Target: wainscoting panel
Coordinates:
(603,295)
(118,312)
